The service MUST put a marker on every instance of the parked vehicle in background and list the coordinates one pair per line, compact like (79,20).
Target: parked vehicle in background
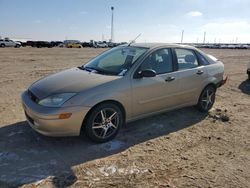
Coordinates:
(23,44)
(245,46)
(43,44)
(74,45)
(66,42)
(248,71)
(9,43)
(62,45)
(86,44)
(101,45)
(31,43)
(56,43)
(98,98)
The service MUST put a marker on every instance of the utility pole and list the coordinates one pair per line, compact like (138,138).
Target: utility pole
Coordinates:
(204,39)
(112,25)
(182,34)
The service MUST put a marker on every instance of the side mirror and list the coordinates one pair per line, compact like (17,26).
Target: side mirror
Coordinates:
(148,73)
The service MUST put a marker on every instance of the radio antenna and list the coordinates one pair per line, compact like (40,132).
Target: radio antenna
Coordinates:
(133,41)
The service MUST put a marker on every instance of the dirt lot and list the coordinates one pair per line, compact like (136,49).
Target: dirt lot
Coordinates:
(182,148)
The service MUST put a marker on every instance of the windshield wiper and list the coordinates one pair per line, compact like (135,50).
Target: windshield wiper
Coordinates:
(87,69)
(90,69)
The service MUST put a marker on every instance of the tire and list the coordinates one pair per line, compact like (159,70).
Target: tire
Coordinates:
(98,126)
(248,76)
(17,46)
(2,45)
(206,99)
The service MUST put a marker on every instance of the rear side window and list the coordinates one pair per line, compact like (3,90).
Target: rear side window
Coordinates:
(186,59)
(202,59)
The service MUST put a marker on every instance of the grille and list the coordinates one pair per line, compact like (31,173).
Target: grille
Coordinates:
(33,97)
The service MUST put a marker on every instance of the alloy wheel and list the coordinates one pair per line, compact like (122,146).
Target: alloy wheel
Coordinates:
(208,98)
(105,123)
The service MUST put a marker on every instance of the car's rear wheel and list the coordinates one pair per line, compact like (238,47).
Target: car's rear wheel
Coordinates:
(207,98)
(104,122)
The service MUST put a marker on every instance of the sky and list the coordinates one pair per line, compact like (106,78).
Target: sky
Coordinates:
(223,21)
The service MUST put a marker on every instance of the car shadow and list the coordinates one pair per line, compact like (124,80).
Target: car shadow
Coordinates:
(245,87)
(27,157)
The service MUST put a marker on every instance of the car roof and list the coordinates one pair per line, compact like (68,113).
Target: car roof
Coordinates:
(157,45)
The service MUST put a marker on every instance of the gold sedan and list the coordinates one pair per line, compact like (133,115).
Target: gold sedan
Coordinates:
(121,85)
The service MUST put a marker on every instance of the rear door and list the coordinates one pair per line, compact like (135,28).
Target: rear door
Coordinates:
(159,92)
(192,75)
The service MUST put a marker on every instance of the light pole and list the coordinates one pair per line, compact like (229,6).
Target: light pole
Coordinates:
(182,34)
(204,39)
(112,25)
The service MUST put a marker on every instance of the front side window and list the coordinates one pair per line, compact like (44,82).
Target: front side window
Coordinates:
(186,59)
(116,61)
(160,61)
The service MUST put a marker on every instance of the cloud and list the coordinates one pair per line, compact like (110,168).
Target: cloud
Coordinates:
(228,29)
(194,14)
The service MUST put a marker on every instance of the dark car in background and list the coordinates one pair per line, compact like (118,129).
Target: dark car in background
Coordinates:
(56,43)
(43,44)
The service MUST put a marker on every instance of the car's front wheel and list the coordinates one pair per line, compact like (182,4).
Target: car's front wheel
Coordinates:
(2,45)
(104,122)
(207,99)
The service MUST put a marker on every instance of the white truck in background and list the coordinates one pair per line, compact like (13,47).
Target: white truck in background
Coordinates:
(9,43)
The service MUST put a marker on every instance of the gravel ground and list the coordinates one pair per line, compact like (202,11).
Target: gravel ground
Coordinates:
(182,148)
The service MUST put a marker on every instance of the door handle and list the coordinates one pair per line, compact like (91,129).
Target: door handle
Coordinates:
(169,79)
(199,72)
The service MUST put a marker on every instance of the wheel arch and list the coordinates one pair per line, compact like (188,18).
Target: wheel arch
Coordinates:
(210,84)
(118,104)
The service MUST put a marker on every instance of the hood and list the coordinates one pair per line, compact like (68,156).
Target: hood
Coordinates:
(69,81)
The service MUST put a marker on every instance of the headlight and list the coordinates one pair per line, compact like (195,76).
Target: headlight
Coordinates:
(56,100)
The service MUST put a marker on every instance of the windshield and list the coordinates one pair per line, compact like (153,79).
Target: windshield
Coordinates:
(116,61)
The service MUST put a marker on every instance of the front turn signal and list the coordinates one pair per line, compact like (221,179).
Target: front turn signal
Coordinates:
(65,115)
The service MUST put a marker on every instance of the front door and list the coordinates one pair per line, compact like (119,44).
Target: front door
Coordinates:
(159,92)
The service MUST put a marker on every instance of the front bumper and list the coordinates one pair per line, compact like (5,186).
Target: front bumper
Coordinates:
(45,120)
